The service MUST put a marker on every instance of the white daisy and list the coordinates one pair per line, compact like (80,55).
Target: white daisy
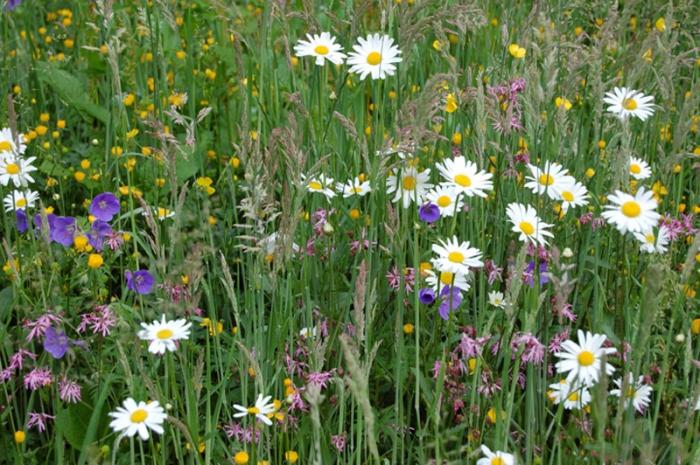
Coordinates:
(135,418)
(654,243)
(497,299)
(634,214)
(321,184)
(552,180)
(260,410)
(528,224)
(323,47)
(409,185)
(574,195)
(465,176)
(16,169)
(583,361)
(18,200)
(447,199)
(624,102)
(8,145)
(495,458)
(637,394)
(458,280)
(639,169)
(574,396)
(374,56)
(355,187)
(456,257)
(163,334)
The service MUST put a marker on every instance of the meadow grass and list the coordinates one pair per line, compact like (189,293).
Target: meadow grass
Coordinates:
(213,135)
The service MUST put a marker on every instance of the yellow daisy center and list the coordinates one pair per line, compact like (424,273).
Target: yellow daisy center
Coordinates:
(444,201)
(253,410)
(139,416)
(374,58)
(13,168)
(586,358)
(568,196)
(630,392)
(635,168)
(456,257)
(546,179)
(408,183)
(573,397)
(497,461)
(5,146)
(527,228)
(357,189)
(446,278)
(631,209)
(315,185)
(21,203)
(463,180)
(321,50)
(164,334)
(629,104)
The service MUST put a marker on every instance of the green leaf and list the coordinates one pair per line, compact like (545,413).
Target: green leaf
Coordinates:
(5,303)
(70,89)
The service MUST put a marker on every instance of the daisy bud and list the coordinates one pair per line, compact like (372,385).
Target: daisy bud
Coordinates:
(328,229)
(567,253)
(680,337)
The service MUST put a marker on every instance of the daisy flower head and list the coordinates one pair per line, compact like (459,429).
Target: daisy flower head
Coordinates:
(637,394)
(408,185)
(528,224)
(497,299)
(456,257)
(624,102)
(355,187)
(19,200)
(654,243)
(321,184)
(374,55)
(8,145)
(465,177)
(132,418)
(639,169)
(439,280)
(583,361)
(322,46)
(16,169)
(552,180)
(262,408)
(163,334)
(495,457)
(573,395)
(632,213)
(574,195)
(447,199)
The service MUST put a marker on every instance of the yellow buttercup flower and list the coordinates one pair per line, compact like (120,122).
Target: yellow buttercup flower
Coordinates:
(516,51)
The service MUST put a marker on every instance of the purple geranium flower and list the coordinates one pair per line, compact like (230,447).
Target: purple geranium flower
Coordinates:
(429,213)
(12,4)
(451,298)
(426,296)
(528,274)
(104,206)
(97,235)
(140,281)
(63,229)
(21,221)
(55,342)
(49,220)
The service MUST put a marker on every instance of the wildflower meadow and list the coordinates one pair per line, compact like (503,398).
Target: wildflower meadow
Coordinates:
(350,232)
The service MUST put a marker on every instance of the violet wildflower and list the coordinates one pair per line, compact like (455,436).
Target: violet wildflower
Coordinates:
(104,206)
(38,421)
(39,223)
(140,281)
(100,230)
(37,378)
(429,213)
(69,391)
(21,218)
(55,342)
(101,320)
(62,230)
(339,441)
(12,4)
(451,299)
(426,296)
(532,348)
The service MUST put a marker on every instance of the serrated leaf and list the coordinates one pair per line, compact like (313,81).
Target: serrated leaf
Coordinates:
(70,89)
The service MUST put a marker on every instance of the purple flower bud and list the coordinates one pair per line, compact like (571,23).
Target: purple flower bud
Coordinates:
(429,213)
(21,221)
(426,296)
